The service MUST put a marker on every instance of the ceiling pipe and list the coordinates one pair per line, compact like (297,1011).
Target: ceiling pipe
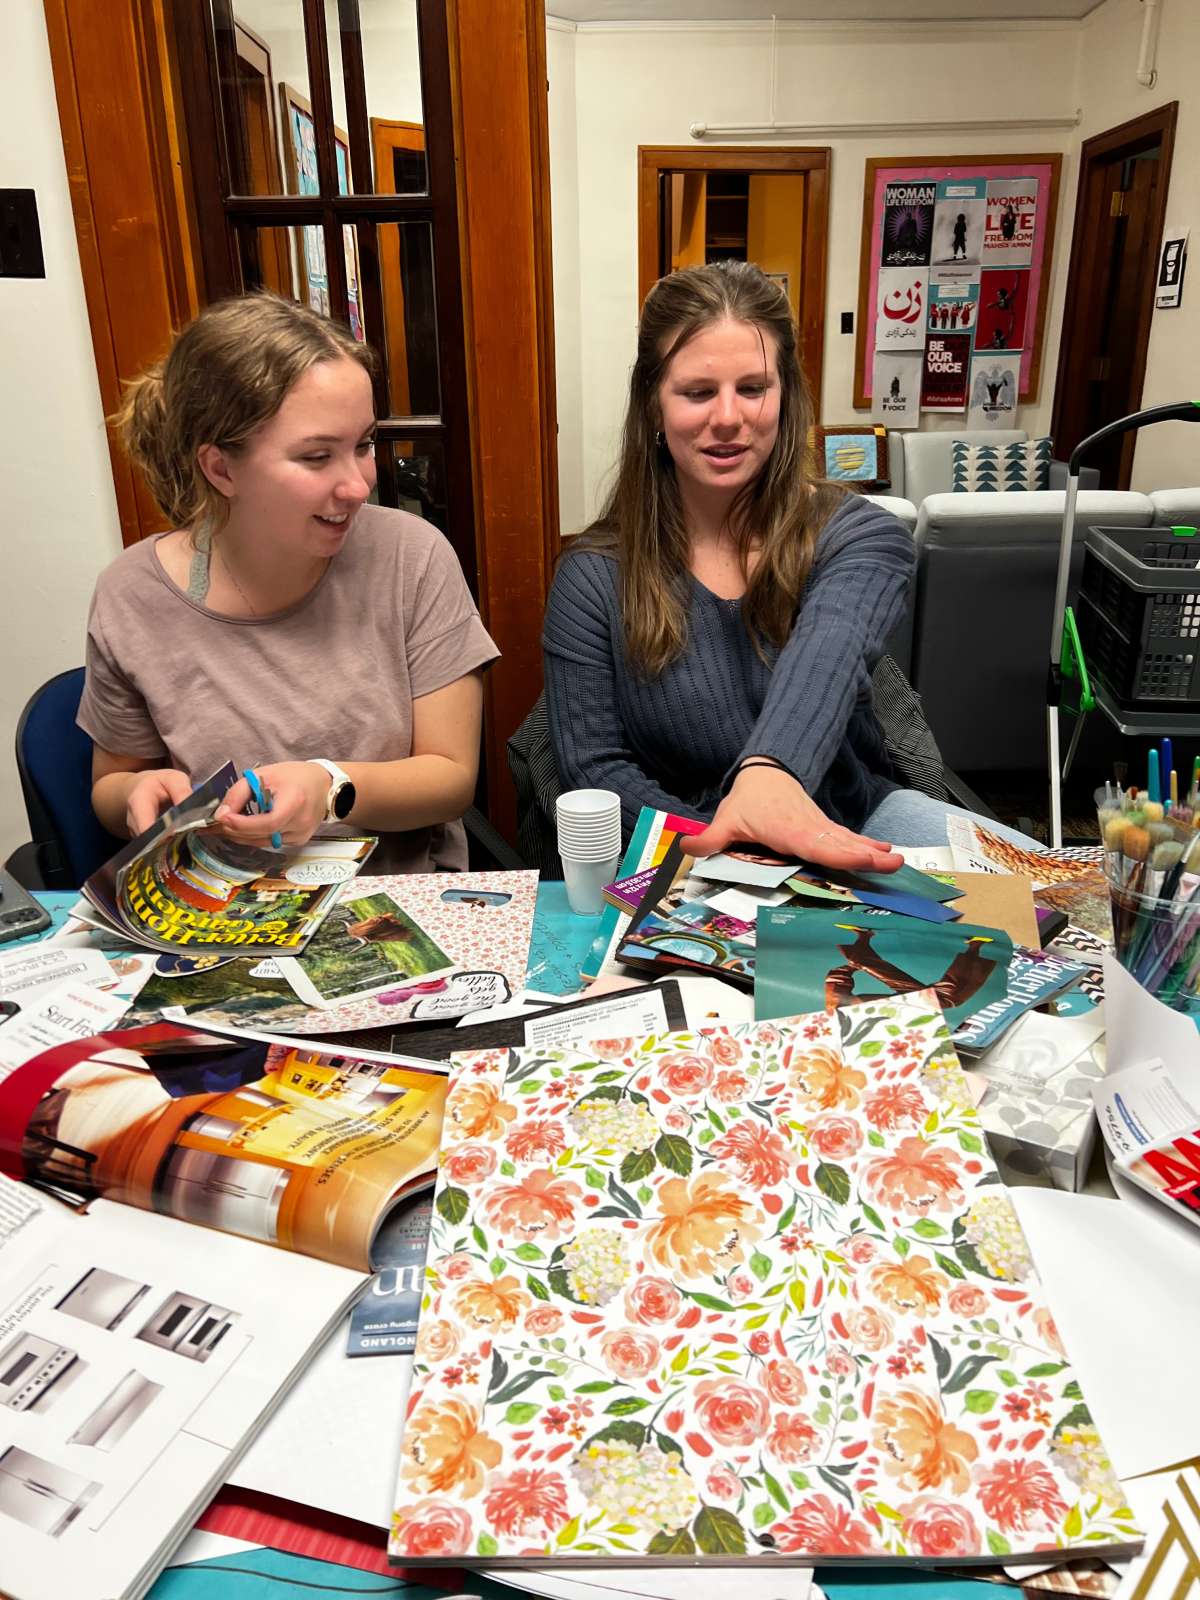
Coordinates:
(1147,72)
(816,130)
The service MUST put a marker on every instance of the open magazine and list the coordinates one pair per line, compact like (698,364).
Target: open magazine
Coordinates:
(307,1148)
(182,886)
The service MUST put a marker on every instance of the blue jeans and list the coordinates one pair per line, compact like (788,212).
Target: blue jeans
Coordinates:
(908,817)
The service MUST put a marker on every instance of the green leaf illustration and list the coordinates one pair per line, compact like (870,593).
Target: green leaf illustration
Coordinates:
(760,1266)
(529,1252)
(536,1287)
(521,1411)
(679,1543)
(998,1544)
(941,1357)
(675,1153)
(637,1164)
(1045,1369)
(486,1545)
(629,1432)
(980,1401)
(833,1181)
(948,1265)
(835,1483)
(453,1204)
(597,1386)
(776,1493)
(718,1532)
(514,1387)
(1073,1526)
(872,1215)
(965,1371)
(763,1513)
(798,1295)
(875,1139)
(927,1228)
(970,1142)
(708,1301)
(594,1178)
(479,1236)
(625,1408)
(1007,1378)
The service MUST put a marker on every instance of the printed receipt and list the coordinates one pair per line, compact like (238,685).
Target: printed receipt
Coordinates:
(631,1014)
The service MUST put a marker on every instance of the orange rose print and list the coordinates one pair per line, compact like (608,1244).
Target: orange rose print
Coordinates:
(497,1305)
(731,1412)
(629,1353)
(432,1528)
(474,1110)
(444,1449)
(759,1154)
(784,1381)
(920,1447)
(825,1081)
(893,1104)
(539,1206)
(793,1438)
(916,1177)
(1020,1495)
(705,1228)
(528,1501)
(913,1286)
(437,1340)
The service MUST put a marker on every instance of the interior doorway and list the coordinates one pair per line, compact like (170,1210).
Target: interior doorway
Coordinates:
(742,204)
(1120,210)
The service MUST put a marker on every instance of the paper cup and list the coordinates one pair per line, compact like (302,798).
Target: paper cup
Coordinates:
(586,882)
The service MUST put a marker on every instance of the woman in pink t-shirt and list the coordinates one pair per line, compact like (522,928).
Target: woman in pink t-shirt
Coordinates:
(283,623)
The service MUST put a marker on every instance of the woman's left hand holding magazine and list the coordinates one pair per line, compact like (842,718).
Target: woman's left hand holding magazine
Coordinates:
(298,789)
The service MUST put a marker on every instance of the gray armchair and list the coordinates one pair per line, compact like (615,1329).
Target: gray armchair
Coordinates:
(982,604)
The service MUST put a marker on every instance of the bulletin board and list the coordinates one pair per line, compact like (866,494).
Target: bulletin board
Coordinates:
(954,279)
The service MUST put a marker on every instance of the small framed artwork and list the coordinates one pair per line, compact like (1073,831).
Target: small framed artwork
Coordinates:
(300,162)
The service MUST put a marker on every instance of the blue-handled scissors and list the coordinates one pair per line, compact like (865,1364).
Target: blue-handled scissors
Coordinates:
(262,802)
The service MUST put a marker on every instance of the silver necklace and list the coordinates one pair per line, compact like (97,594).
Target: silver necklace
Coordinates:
(234,580)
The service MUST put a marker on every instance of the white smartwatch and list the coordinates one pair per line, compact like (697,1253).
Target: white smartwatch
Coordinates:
(339,802)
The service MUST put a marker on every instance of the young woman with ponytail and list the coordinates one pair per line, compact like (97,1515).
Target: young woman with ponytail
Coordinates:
(283,623)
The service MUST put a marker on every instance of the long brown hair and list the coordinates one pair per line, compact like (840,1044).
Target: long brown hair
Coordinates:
(779,515)
(226,374)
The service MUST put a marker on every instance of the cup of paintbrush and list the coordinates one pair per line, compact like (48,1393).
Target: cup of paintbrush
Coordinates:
(1172,977)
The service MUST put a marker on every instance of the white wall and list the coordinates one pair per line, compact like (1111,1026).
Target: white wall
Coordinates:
(1167,456)
(60,522)
(564,207)
(645,83)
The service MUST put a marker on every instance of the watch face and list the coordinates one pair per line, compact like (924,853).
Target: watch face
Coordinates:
(343,801)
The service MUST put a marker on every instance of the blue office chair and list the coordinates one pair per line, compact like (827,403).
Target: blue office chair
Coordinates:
(54,761)
(68,844)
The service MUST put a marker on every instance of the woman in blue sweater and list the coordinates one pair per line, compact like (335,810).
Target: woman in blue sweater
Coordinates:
(709,642)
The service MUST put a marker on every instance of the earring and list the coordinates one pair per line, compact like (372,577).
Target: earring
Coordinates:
(660,438)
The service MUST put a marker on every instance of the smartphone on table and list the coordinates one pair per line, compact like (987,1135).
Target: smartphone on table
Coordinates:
(20,914)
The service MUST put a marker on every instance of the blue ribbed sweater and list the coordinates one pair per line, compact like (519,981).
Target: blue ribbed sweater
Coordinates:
(673,741)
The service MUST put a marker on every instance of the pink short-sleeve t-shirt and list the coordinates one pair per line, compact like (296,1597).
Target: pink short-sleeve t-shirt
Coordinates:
(335,675)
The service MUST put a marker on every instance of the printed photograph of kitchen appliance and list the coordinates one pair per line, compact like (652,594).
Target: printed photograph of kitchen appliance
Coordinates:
(117,1413)
(34,1372)
(44,1497)
(102,1297)
(226,1192)
(188,1326)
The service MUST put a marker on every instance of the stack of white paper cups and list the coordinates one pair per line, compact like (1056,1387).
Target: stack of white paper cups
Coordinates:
(589,842)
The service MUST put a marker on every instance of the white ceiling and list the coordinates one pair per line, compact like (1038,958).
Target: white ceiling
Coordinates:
(816,10)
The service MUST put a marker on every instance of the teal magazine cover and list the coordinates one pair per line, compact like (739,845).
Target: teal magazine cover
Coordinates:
(808,960)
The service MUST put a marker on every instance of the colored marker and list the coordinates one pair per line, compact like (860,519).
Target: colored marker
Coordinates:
(1152,780)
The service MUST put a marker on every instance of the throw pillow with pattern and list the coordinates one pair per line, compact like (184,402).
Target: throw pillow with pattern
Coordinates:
(1000,468)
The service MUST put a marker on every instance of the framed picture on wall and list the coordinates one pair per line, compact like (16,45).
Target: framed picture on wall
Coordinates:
(300,161)
(956,252)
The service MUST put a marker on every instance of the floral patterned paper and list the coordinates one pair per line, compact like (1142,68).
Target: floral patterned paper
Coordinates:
(746,1293)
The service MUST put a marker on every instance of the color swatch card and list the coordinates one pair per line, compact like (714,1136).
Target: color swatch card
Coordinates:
(739,1295)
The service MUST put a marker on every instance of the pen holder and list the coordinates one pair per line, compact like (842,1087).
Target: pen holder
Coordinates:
(1158,941)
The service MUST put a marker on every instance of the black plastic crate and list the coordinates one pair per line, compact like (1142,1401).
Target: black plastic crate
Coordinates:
(1139,613)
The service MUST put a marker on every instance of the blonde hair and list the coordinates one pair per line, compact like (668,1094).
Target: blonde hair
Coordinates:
(226,374)
(779,515)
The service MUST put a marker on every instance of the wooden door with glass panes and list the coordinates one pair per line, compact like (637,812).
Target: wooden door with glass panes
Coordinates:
(375,244)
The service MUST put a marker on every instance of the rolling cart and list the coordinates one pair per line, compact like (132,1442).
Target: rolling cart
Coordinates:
(1139,620)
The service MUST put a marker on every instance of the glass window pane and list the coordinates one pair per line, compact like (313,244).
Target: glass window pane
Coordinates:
(419,469)
(410,338)
(292,262)
(392,70)
(268,109)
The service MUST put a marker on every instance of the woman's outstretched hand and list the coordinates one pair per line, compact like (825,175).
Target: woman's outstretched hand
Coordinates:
(767,806)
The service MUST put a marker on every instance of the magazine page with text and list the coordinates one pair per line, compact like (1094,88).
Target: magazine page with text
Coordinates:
(306,1148)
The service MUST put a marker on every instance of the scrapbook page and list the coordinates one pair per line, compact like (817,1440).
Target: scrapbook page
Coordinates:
(745,1295)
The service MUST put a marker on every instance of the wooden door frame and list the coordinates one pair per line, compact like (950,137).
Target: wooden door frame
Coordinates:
(755,158)
(387,135)
(1128,138)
